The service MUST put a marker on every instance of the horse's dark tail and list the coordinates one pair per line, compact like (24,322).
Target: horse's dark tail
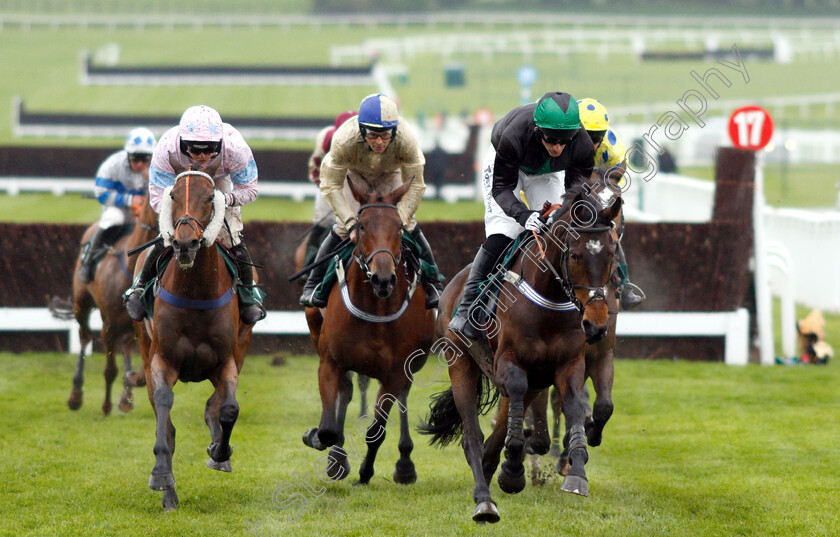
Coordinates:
(444,424)
(61,308)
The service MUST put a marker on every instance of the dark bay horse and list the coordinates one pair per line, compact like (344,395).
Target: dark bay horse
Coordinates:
(376,325)
(550,303)
(599,356)
(195,333)
(112,278)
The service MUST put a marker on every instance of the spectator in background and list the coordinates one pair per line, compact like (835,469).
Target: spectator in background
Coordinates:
(120,187)
(323,218)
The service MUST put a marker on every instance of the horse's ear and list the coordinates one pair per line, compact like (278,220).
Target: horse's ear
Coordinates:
(396,195)
(615,209)
(360,195)
(176,167)
(213,166)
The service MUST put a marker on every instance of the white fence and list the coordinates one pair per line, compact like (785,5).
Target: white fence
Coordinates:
(733,326)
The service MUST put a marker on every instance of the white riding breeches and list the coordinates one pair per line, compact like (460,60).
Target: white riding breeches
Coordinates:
(115,216)
(233,217)
(537,189)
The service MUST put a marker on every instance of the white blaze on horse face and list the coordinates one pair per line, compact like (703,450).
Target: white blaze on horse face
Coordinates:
(594,247)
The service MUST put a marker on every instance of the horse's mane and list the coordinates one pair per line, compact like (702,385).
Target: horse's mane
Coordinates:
(579,194)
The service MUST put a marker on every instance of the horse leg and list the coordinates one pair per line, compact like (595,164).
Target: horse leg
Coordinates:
(405,473)
(74,402)
(211,418)
(512,473)
(110,369)
(563,464)
(327,432)
(340,466)
(227,414)
(465,381)
(82,305)
(160,380)
(569,381)
(127,397)
(602,381)
(492,449)
(364,381)
(375,433)
(539,441)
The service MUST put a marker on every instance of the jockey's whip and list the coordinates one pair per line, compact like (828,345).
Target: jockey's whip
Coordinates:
(317,262)
(138,249)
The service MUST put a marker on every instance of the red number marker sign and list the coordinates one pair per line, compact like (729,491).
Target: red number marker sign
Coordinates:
(750,127)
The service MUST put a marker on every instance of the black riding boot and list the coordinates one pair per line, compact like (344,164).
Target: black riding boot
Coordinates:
(628,297)
(316,235)
(481,268)
(133,304)
(248,313)
(86,266)
(308,297)
(433,289)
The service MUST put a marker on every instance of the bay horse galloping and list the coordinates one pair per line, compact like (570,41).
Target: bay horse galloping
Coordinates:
(195,332)
(376,325)
(599,354)
(550,303)
(111,279)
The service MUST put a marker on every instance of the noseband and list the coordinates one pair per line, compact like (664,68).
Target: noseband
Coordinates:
(595,293)
(363,260)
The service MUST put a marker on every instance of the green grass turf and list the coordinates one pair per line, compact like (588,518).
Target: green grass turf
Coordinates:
(692,449)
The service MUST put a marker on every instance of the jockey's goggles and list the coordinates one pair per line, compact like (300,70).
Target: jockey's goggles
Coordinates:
(140,157)
(553,137)
(597,136)
(207,148)
(373,135)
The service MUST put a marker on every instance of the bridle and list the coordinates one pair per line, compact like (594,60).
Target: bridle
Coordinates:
(364,260)
(595,293)
(187,218)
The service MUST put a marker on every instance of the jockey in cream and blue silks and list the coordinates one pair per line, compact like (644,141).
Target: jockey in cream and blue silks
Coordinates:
(611,163)
(120,187)
(203,142)
(375,150)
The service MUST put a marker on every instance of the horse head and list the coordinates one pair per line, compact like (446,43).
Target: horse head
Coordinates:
(586,245)
(379,229)
(191,215)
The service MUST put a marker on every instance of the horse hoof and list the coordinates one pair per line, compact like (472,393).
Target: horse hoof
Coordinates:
(170,500)
(134,379)
(216,455)
(310,439)
(106,409)
(340,468)
(161,481)
(126,404)
(405,474)
(511,481)
(74,402)
(563,465)
(486,512)
(576,485)
(223,466)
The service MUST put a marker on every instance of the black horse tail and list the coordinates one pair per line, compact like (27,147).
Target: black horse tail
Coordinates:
(444,424)
(61,308)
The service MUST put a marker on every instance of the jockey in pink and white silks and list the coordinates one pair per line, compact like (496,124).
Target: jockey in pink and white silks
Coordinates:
(202,142)
(120,188)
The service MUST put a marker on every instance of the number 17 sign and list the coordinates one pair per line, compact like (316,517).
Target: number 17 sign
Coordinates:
(750,127)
